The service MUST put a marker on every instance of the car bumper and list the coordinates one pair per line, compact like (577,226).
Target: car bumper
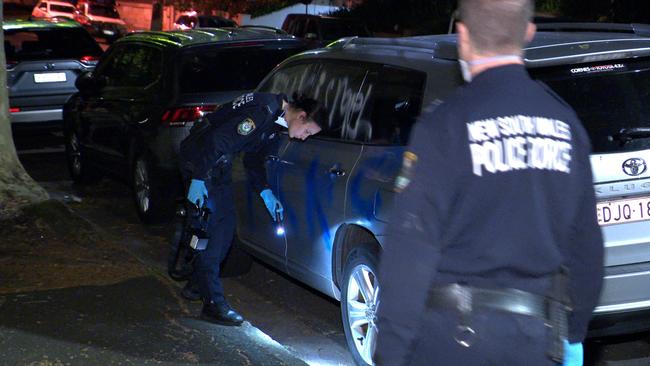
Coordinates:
(624,302)
(36,116)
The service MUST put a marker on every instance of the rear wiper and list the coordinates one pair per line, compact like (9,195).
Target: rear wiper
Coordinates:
(626,135)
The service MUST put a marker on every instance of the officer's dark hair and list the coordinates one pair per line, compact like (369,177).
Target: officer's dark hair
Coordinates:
(496,26)
(310,106)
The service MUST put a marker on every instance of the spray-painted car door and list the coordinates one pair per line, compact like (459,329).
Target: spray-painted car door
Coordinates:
(314,173)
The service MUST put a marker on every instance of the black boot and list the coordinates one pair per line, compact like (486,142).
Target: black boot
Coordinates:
(220,313)
(191,291)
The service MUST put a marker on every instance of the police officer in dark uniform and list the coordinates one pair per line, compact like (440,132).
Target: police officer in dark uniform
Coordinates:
(249,124)
(494,256)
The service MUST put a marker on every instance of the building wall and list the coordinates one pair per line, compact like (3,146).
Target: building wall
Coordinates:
(137,15)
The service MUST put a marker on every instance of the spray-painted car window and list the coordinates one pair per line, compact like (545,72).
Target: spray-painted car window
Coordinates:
(344,90)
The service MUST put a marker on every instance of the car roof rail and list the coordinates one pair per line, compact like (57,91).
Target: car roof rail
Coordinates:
(440,47)
(263,27)
(639,29)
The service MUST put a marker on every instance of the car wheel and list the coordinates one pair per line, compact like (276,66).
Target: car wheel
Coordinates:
(77,166)
(150,201)
(359,300)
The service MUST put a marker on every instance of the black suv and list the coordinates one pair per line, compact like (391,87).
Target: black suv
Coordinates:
(44,58)
(320,30)
(337,187)
(132,112)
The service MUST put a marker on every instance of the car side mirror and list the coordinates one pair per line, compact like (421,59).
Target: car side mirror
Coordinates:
(311,36)
(88,83)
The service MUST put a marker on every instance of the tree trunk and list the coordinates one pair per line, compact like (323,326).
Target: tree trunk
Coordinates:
(17,188)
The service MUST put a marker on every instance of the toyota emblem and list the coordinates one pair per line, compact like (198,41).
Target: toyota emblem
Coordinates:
(634,166)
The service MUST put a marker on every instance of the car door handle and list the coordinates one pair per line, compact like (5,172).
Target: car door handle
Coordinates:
(337,171)
(272,158)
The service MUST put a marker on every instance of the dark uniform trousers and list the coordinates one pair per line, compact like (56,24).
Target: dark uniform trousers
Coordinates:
(501,339)
(221,228)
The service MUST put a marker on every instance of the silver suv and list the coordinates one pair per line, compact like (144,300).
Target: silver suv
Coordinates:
(337,187)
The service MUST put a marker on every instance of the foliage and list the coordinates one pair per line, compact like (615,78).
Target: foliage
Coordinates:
(404,16)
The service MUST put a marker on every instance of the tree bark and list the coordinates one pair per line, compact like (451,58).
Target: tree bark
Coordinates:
(17,188)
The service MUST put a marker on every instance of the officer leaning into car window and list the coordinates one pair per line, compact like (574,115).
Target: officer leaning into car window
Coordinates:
(494,248)
(250,124)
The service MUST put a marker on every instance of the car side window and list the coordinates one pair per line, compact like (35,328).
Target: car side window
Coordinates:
(134,66)
(43,6)
(394,106)
(299,27)
(311,30)
(298,78)
(344,89)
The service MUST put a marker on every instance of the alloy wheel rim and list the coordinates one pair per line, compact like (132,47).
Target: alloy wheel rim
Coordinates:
(141,188)
(362,301)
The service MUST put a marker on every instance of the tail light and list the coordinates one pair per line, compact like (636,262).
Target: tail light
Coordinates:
(11,64)
(89,60)
(14,109)
(178,117)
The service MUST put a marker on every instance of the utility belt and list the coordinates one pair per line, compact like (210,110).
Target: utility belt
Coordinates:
(467,299)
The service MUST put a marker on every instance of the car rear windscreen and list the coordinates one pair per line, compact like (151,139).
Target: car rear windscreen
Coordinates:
(49,43)
(612,100)
(217,69)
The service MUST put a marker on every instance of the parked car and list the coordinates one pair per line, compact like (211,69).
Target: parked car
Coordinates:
(132,112)
(101,19)
(337,187)
(53,9)
(319,30)
(192,20)
(44,59)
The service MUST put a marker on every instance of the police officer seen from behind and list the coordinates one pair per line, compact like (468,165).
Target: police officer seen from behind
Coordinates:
(250,124)
(494,232)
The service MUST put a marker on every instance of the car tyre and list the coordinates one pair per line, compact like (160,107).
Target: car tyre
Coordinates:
(79,170)
(151,203)
(359,300)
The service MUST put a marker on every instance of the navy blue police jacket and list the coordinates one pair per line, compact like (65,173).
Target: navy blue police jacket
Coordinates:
(247,124)
(497,192)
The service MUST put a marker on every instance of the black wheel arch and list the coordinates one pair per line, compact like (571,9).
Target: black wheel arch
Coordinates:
(349,237)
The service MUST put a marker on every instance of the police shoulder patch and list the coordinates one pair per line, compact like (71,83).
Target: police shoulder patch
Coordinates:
(246,126)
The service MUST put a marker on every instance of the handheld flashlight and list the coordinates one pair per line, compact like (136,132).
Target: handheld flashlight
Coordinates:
(279,227)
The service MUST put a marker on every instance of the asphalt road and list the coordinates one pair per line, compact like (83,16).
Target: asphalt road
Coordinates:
(303,321)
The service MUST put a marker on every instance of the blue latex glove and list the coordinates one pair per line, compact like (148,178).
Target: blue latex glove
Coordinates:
(573,354)
(272,204)
(197,192)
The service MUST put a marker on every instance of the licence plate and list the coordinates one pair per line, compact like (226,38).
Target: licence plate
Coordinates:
(50,77)
(621,211)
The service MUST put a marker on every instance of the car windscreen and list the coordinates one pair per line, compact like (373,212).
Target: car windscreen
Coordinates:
(216,69)
(338,28)
(61,8)
(612,100)
(103,11)
(49,43)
